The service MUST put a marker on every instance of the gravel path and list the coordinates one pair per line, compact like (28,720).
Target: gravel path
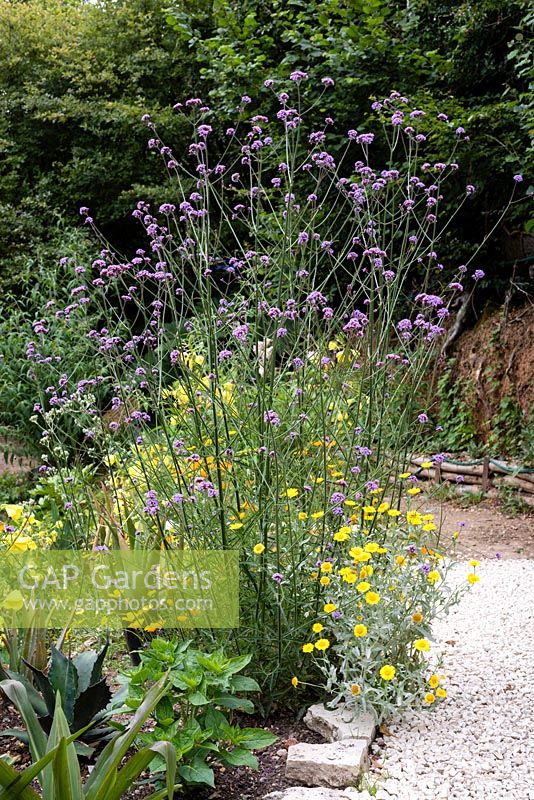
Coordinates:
(479,743)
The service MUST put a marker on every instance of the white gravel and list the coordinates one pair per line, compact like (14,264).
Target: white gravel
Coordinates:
(479,743)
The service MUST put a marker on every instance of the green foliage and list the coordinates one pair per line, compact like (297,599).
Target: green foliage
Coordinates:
(55,764)
(426,50)
(511,502)
(455,399)
(39,279)
(86,699)
(75,79)
(195,712)
(14,486)
(511,434)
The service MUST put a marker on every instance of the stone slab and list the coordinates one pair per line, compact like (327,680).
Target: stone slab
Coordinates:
(304,793)
(336,765)
(338,724)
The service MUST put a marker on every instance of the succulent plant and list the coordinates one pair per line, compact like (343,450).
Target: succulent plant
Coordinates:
(86,698)
(56,767)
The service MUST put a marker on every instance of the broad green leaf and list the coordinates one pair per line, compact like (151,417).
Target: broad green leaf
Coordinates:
(84,663)
(90,702)
(64,679)
(238,663)
(39,705)
(243,684)
(67,782)
(65,768)
(138,762)
(229,701)
(45,687)
(240,757)
(16,692)
(17,785)
(255,738)
(197,773)
(198,699)
(164,712)
(216,721)
(97,668)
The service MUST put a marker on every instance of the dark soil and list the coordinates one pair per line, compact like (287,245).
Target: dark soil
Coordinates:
(484,531)
(497,357)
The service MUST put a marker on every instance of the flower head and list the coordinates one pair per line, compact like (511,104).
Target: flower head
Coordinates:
(422,645)
(387,672)
(372,598)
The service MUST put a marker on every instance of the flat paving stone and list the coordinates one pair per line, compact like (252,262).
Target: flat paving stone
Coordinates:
(340,723)
(317,793)
(337,764)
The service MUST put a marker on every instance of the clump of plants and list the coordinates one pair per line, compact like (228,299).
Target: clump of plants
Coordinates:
(195,714)
(55,763)
(265,357)
(382,585)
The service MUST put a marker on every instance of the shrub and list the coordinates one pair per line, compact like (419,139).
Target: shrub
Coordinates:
(381,593)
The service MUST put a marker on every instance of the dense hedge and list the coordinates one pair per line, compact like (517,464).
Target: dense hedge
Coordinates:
(75,78)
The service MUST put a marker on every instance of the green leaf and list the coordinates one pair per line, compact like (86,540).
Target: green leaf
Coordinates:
(161,793)
(67,781)
(138,762)
(197,699)
(255,738)
(165,712)
(217,722)
(97,669)
(64,679)
(17,785)
(90,703)
(16,692)
(105,770)
(39,705)
(65,768)
(240,757)
(45,686)
(197,772)
(243,684)
(84,663)
(237,664)
(16,733)
(228,701)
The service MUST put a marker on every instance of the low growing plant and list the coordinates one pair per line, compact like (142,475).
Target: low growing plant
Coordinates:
(195,714)
(382,586)
(55,763)
(86,698)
